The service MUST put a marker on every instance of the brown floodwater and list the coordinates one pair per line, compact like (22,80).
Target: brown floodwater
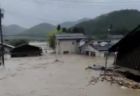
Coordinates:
(42,76)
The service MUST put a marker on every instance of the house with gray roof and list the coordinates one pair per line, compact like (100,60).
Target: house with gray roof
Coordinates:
(68,42)
(114,38)
(98,49)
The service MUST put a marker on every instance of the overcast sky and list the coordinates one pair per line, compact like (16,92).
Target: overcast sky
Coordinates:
(28,13)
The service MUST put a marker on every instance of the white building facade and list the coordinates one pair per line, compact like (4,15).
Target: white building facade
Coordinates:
(68,43)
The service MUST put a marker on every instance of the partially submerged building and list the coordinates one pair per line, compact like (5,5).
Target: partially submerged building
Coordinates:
(26,50)
(95,49)
(114,38)
(68,42)
(7,48)
(128,51)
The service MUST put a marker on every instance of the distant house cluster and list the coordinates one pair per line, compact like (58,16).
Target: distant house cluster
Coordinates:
(78,43)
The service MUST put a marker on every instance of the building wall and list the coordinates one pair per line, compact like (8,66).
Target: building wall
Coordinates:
(97,53)
(66,45)
(129,59)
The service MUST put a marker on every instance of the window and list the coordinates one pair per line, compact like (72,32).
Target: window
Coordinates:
(72,43)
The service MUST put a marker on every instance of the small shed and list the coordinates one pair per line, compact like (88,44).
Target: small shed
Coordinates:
(128,50)
(26,50)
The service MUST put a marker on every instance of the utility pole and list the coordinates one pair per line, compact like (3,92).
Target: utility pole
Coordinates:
(109,31)
(1,36)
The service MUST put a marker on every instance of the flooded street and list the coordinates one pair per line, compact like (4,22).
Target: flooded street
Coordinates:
(42,76)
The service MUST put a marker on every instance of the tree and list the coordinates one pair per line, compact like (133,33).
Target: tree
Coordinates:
(58,27)
(51,38)
(17,42)
(122,21)
(64,30)
(69,30)
(81,30)
(75,30)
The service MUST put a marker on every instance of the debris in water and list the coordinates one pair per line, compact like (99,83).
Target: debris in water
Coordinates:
(92,81)
(123,87)
(115,78)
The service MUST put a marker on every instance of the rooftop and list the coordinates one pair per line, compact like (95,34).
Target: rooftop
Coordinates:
(129,42)
(70,36)
(115,36)
(8,45)
(100,47)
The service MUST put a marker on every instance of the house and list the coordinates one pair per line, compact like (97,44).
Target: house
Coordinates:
(114,38)
(95,49)
(68,43)
(7,48)
(128,51)
(26,50)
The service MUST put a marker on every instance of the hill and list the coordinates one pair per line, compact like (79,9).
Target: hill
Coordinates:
(11,30)
(69,24)
(38,32)
(123,21)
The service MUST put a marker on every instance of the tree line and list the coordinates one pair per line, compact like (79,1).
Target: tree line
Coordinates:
(71,30)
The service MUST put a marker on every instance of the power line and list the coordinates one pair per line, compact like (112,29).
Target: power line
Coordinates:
(26,16)
(81,1)
(66,5)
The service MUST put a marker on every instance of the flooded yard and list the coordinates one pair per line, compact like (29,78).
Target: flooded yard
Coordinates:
(43,76)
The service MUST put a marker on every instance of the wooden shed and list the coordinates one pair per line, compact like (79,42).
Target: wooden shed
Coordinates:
(128,50)
(26,50)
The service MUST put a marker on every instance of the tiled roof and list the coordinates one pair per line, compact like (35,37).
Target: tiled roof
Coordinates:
(69,36)
(101,48)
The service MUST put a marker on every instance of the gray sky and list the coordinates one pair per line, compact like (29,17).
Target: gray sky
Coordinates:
(28,13)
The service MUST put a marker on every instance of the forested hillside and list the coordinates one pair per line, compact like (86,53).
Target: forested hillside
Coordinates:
(123,21)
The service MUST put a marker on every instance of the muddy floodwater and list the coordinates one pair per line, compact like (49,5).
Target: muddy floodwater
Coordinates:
(42,76)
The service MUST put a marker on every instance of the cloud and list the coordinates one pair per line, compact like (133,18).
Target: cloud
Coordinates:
(28,13)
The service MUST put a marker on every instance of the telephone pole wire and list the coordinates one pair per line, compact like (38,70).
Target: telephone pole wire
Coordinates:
(1,36)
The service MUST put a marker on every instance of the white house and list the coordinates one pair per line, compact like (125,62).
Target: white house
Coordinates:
(68,43)
(98,49)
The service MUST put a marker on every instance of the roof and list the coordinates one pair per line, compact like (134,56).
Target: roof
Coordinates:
(129,42)
(115,36)
(26,45)
(8,45)
(101,48)
(92,41)
(69,36)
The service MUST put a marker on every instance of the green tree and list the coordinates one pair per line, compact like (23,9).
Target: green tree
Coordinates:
(64,30)
(58,27)
(122,22)
(17,42)
(51,38)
